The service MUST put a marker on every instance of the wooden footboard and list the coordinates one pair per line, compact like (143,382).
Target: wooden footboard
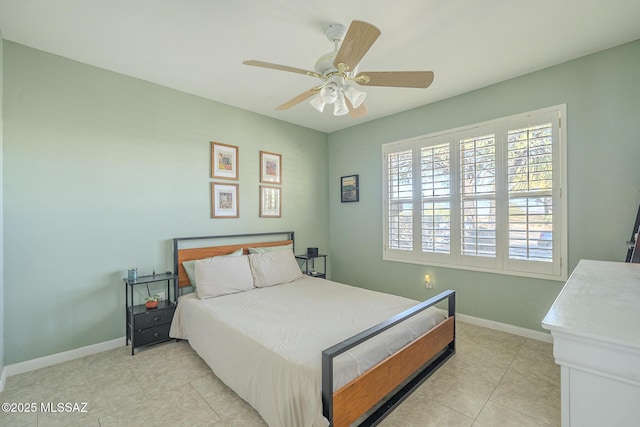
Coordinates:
(417,360)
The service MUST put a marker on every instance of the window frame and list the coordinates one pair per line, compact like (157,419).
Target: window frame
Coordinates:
(501,263)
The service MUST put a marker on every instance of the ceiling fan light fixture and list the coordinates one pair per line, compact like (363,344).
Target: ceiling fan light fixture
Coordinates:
(340,106)
(317,103)
(355,96)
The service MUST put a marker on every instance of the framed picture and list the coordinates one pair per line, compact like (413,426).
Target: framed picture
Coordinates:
(270,202)
(349,189)
(224,200)
(270,168)
(224,161)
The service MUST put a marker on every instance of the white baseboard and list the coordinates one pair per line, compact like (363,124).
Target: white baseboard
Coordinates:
(503,327)
(54,359)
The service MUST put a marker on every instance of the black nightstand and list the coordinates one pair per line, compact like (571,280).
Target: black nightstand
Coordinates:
(308,265)
(144,325)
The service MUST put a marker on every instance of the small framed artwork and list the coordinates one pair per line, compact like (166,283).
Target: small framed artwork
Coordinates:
(270,202)
(224,200)
(224,161)
(349,188)
(270,168)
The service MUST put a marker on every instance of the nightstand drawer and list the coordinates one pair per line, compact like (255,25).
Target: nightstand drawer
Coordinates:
(153,318)
(149,335)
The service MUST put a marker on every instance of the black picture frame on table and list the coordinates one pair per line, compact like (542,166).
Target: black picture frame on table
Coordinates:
(350,188)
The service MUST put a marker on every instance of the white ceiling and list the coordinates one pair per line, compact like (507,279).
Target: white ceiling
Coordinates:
(197,46)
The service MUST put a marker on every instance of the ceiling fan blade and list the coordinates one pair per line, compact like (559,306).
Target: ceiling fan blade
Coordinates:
(282,68)
(298,99)
(419,79)
(356,112)
(357,42)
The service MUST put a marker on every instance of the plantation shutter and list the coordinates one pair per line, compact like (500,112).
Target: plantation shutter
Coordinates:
(530,183)
(533,194)
(400,200)
(435,164)
(478,196)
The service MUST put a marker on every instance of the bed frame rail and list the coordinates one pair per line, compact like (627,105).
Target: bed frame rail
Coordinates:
(420,358)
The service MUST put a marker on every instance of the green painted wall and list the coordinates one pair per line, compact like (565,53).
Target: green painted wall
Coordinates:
(602,93)
(101,170)
(1,217)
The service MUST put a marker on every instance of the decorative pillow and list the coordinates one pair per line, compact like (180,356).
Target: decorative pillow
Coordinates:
(190,266)
(223,275)
(274,268)
(263,249)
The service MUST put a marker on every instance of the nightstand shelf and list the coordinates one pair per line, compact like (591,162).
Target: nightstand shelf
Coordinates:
(144,325)
(308,265)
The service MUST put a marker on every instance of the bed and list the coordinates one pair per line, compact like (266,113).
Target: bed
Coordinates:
(307,351)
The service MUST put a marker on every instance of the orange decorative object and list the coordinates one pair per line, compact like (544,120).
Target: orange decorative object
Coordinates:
(152,304)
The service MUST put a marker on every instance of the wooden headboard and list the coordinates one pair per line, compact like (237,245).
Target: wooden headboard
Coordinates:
(187,254)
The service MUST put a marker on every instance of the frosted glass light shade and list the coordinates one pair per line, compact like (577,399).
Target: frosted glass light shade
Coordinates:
(317,103)
(340,107)
(329,93)
(355,96)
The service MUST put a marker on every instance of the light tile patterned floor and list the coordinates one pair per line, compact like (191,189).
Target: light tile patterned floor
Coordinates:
(495,379)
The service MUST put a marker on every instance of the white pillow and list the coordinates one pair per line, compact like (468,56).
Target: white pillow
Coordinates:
(222,275)
(263,249)
(274,268)
(190,266)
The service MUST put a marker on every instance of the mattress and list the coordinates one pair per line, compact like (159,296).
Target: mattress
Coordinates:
(266,343)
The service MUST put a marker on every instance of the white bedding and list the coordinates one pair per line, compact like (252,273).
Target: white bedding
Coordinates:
(266,343)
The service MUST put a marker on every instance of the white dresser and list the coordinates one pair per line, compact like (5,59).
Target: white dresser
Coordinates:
(595,323)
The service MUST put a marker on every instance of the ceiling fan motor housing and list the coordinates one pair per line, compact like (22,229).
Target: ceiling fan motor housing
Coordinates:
(324,65)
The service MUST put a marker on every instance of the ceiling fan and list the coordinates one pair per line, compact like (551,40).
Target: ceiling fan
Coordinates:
(340,67)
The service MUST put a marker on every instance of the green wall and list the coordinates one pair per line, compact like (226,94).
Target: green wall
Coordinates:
(602,93)
(1,219)
(101,170)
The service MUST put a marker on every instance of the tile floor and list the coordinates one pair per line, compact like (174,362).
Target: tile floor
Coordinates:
(495,379)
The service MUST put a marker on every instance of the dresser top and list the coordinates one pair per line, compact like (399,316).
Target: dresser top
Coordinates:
(601,300)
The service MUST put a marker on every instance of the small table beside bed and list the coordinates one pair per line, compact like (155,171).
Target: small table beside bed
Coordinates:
(303,351)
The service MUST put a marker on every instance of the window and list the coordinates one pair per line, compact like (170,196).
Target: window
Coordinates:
(484,197)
